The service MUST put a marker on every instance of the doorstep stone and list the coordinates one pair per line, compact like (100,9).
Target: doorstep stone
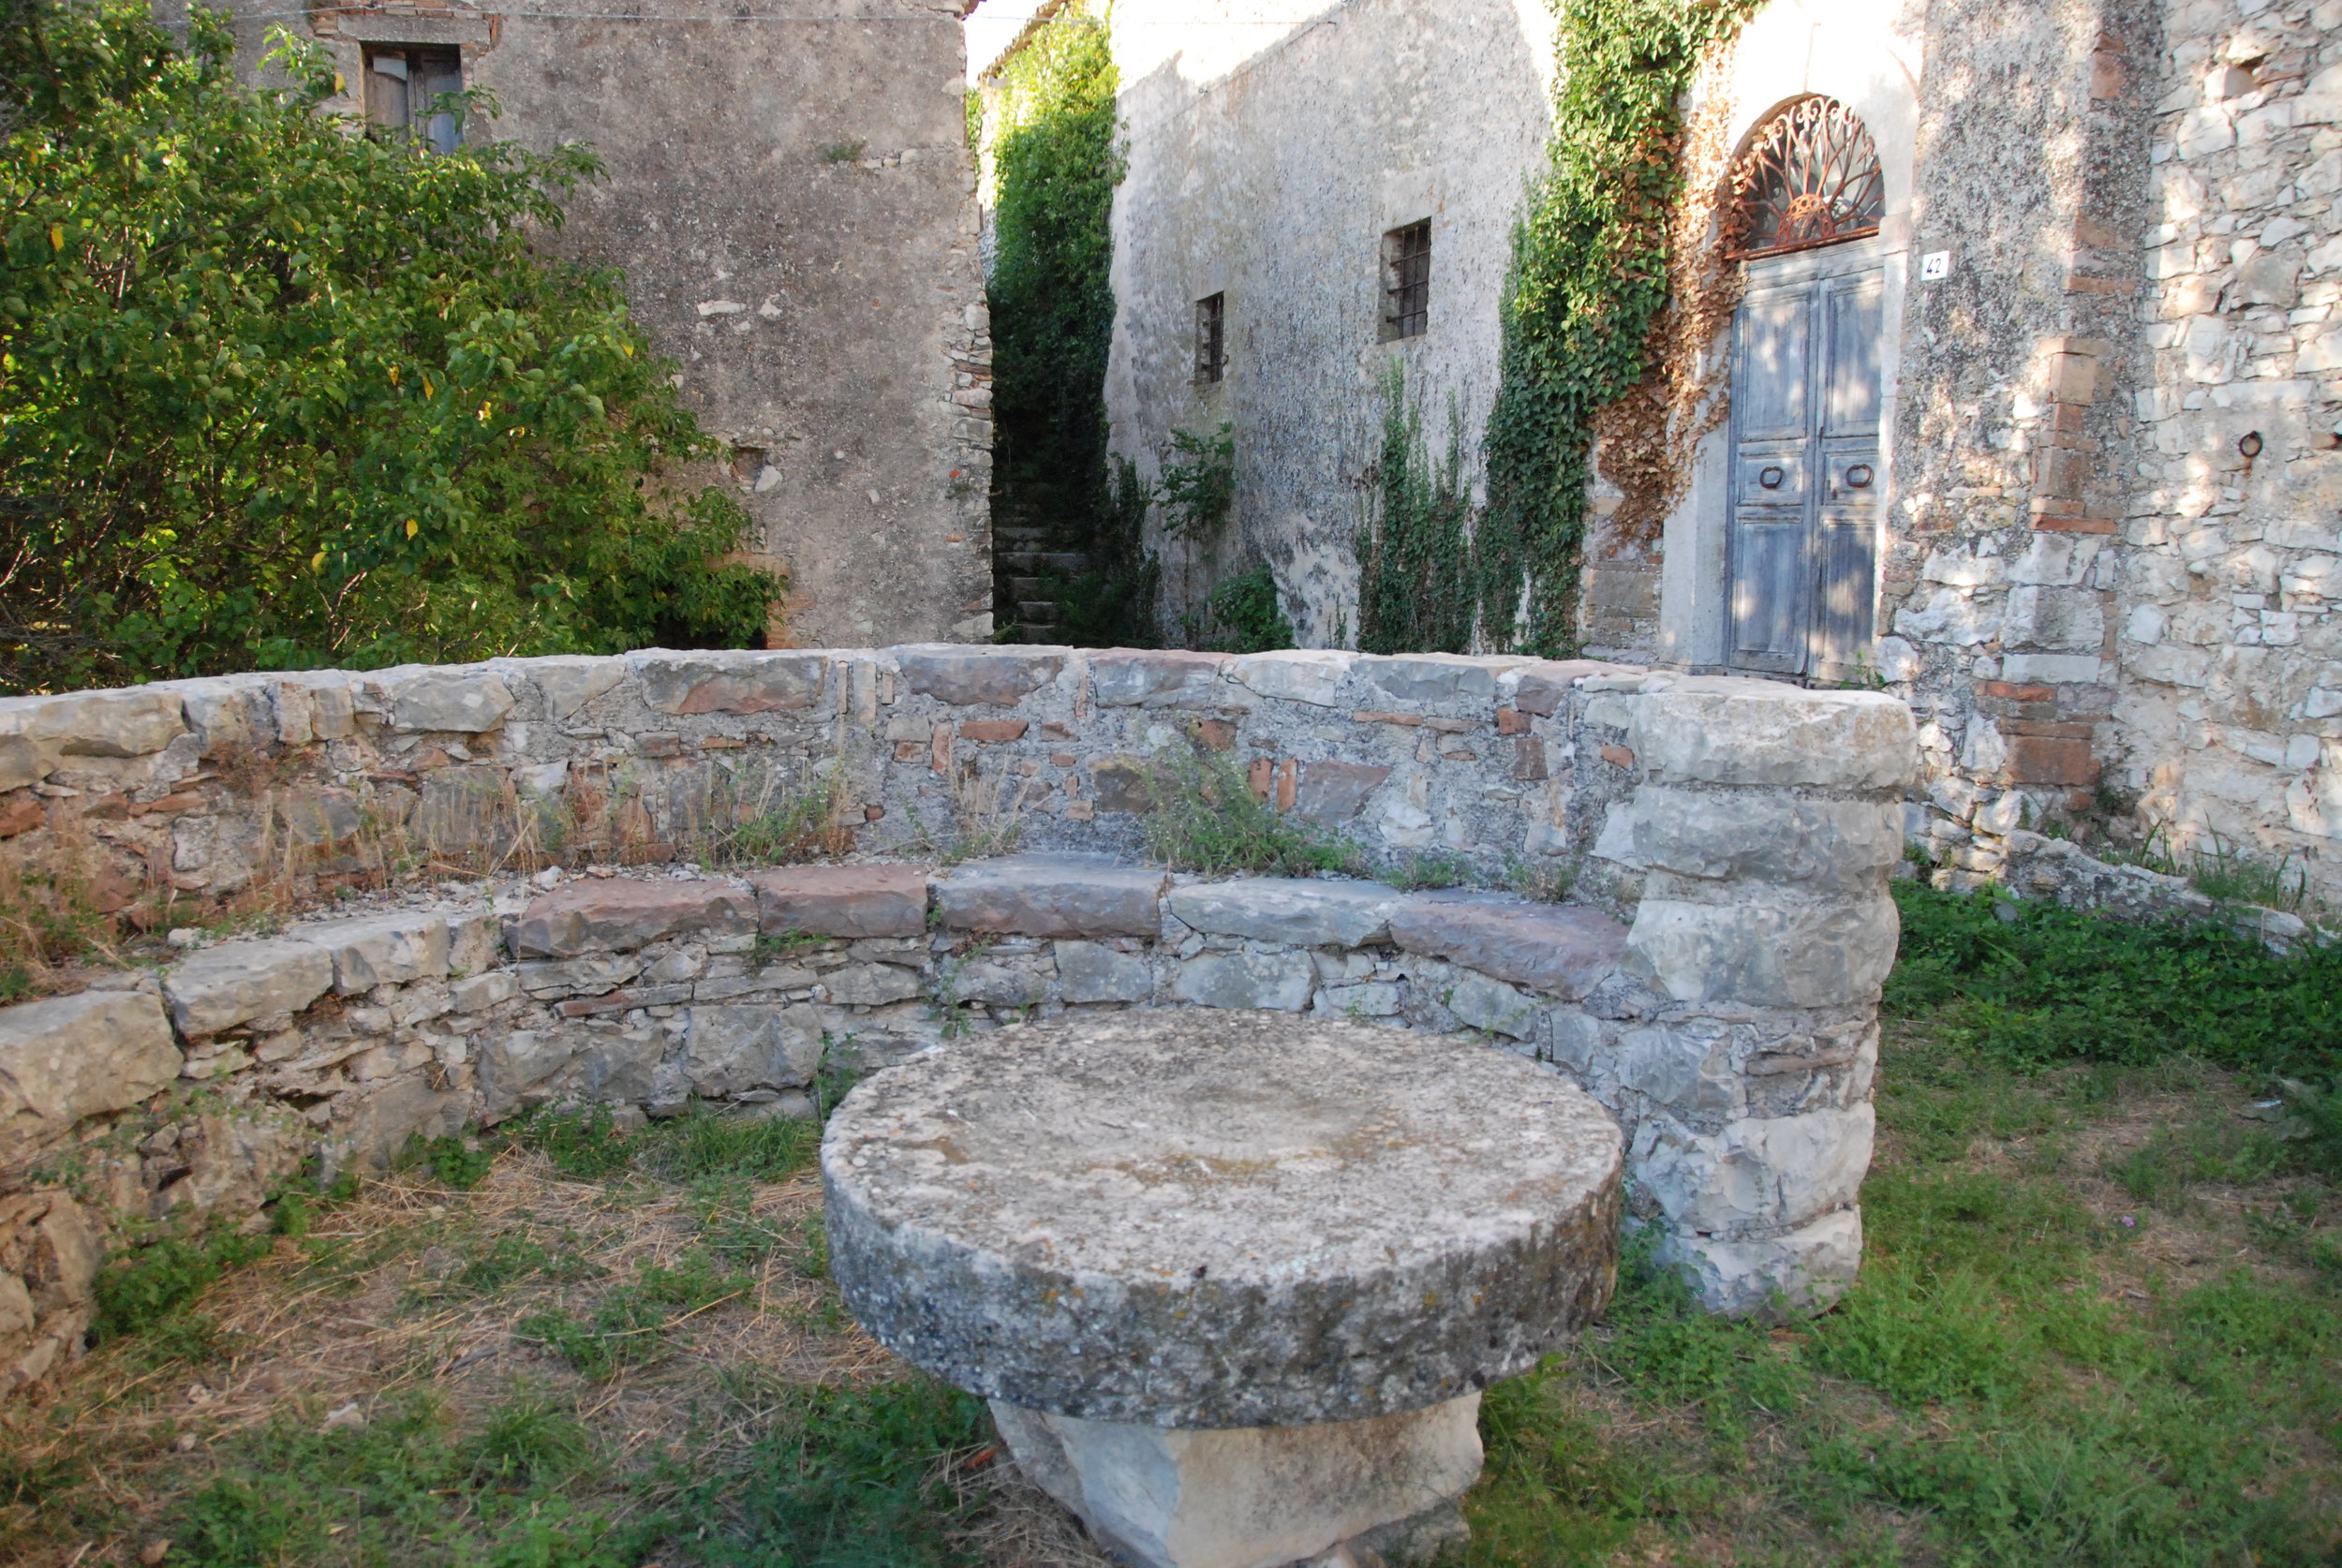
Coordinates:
(843,900)
(618,914)
(1563,949)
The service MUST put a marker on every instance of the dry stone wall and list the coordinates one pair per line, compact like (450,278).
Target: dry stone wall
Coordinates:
(1716,985)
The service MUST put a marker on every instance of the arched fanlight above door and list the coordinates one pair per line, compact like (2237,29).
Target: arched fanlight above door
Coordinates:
(1810,177)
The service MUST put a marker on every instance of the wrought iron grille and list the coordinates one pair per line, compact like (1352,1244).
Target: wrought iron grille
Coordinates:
(1407,281)
(1810,178)
(1211,338)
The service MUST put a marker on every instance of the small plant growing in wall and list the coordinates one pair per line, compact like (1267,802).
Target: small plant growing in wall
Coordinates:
(1206,817)
(1248,616)
(843,152)
(1198,485)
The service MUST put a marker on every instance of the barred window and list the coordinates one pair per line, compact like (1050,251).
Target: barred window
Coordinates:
(1407,281)
(1211,339)
(403,84)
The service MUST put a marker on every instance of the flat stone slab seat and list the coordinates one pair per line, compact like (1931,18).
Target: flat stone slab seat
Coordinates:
(1233,1282)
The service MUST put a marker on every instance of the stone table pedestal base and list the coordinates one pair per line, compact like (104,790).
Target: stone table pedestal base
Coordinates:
(1257,1497)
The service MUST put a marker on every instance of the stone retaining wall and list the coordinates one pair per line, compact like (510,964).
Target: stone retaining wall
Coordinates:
(1716,985)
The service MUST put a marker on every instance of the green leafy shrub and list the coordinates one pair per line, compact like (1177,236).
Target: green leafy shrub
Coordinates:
(141,1287)
(1198,483)
(1415,586)
(1246,612)
(585,1143)
(278,390)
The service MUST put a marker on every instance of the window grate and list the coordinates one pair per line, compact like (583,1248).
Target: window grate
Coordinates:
(1211,339)
(1407,281)
(403,80)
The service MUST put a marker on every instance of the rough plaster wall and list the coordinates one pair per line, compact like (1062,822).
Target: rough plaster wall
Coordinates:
(826,314)
(2230,692)
(1271,144)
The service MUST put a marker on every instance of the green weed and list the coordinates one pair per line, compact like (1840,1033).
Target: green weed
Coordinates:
(452,1162)
(585,1143)
(141,1287)
(1420,872)
(628,1324)
(1206,817)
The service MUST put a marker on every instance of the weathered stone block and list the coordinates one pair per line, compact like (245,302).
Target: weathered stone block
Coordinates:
(1278,982)
(1245,1497)
(1089,972)
(1836,845)
(1433,678)
(1759,1173)
(969,679)
(997,985)
(136,722)
(843,900)
(1304,913)
(1791,1275)
(75,1056)
(618,914)
(21,763)
(1491,1004)
(1769,955)
(729,682)
(578,977)
(1171,677)
(1123,785)
(1334,792)
(463,808)
(1543,687)
(568,682)
(407,1106)
(226,985)
(1710,730)
(1372,999)
(513,1064)
(732,1050)
(1313,676)
(482,992)
(380,949)
(1562,950)
(465,702)
(1052,896)
(871,985)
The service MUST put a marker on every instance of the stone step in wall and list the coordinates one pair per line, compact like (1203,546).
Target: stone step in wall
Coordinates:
(1716,987)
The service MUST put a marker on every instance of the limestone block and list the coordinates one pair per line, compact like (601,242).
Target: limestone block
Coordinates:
(613,1066)
(402,1107)
(1819,953)
(51,1247)
(997,985)
(1312,675)
(1279,981)
(729,682)
(871,985)
(1831,845)
(468,702)
(1245,1214)
(1336,792)
(1715,730)
(1685,1070)
(1758,1173)
(512,1062)
(136,722)
(1543,687)
(732,1050)
(380,949)
(971,678)
(1171,677)
(618,914)
(19,763)
(232,716)
(236,1162)
(228,985)
(1489,1004)
(2040,618)
(1052,896)
(1795,1274)
(1245,1497)
(1304,913)
(75,1056)
(1372,1000)
(1433,678)
(569,681)
(475,940)
(843,900)
(577,977)
(1091,972)
(1562,950)
(482,992)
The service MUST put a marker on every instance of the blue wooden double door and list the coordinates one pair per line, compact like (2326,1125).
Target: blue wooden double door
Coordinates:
(1807,479)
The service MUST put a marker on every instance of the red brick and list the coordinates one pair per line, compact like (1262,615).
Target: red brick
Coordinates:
(1218,734)
(993,731)
(1618,756)
(2075,526)
(21,815)
(1511,721)
(2047,759)
(2018,693)
(2048,728)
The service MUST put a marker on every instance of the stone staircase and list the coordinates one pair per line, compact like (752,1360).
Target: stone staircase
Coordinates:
(1024,569)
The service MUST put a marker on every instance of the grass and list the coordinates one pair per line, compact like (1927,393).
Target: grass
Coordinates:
(2099,1323)
(1206,817)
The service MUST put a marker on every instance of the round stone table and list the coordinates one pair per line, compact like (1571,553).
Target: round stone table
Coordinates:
(1232,1281)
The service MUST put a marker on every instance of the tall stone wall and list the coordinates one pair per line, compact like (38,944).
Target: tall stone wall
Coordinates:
(1714,980)
(792,201)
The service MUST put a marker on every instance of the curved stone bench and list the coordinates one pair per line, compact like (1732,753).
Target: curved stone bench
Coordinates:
(1232,1282)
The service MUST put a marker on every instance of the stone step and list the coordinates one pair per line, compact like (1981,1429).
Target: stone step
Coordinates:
(1019,533)
(1045,635)
(1037,612)
(1027,588)
(1066,562)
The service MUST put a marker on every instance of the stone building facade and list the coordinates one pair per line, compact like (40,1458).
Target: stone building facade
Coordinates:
(792,203)
(2083,507)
